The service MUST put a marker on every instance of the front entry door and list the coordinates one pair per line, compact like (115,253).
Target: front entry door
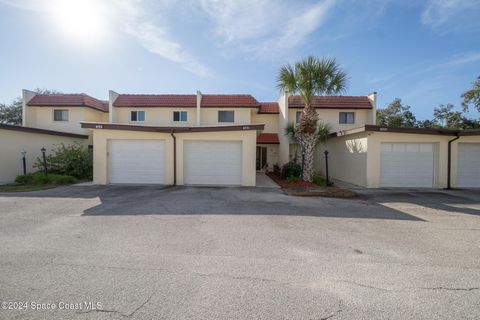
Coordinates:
(261,158)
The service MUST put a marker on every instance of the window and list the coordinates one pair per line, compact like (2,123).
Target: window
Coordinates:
(60,115)
(137,116)
(226,116)
(298,115)
(347,117)
(180,116)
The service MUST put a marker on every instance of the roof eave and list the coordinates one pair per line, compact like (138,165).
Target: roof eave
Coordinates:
(128,127)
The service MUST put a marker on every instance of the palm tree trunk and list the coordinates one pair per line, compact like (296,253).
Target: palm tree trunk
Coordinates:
(308,138)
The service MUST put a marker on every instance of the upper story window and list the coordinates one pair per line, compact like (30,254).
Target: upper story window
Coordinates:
(180,116)
(137,116)
(298,116)
(60,115)
(346,117)
(226,116)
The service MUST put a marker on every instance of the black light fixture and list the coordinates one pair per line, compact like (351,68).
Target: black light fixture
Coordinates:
(24,160)
(45,171)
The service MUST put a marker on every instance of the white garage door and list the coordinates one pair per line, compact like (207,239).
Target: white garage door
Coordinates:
(468,165)
(136,161)
(407,165)
(213,162)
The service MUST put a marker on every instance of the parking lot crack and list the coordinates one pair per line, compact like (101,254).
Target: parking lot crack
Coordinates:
(448,289)
(223,275)
(141,305)
(366,286)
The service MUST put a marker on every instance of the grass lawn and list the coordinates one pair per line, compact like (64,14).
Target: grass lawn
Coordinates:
(320,181)
(24,187)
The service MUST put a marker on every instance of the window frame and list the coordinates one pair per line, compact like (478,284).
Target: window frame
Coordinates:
(345,119)
(63,111)
(180,116)
(226,112)
(298,116)
(136,112)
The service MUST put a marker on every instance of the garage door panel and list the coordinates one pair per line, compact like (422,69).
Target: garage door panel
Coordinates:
(212,162)
(136,161)
(407,165)
(468,165)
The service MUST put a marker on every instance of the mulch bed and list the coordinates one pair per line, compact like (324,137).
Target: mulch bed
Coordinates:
(308,189)
(285,184)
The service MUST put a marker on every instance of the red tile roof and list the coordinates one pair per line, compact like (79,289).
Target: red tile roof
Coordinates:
(333,102)
(269,107)
(268,138)
(68,100)
(156,100)
(187,100)
(229,100)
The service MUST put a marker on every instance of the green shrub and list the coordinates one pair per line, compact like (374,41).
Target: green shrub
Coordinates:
(291,169)
(58,179)
(277,170)
(293,179)
(73,160)
(319,181)
(25,179)
(39,178)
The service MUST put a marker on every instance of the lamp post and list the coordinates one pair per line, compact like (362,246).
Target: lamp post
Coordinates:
(24,160)
(45,171)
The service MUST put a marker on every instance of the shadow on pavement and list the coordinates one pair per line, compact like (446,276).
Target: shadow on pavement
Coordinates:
(158,200)
(179,200)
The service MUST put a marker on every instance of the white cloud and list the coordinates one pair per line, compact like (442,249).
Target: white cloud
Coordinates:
(266,26)
(454,61)
(140,19)
(39,5)
(439,12)
(154,36)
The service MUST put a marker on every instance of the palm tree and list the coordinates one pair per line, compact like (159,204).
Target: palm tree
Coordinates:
(308,78)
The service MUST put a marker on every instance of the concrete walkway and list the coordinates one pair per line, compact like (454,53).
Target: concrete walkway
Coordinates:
(264,181)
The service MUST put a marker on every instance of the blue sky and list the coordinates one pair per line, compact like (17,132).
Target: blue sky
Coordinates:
(425,52)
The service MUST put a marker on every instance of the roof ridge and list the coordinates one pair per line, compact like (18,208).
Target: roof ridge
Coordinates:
(157,94)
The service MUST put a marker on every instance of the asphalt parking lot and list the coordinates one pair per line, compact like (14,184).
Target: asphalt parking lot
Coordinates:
(239,253)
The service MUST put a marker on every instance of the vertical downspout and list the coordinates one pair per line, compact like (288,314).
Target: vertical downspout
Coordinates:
(174,157)
(449,165)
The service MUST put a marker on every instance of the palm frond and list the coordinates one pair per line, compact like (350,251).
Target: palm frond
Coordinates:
(290,132)
(323,131)
(286,80)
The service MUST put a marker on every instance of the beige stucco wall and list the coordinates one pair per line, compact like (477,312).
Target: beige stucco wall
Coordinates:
(347,159)
(101,138)
(209,116)
(156,116)
(284,147)
(164,116)
(331,116)
(13,142)
(42,118)
(356,158)
(270,121)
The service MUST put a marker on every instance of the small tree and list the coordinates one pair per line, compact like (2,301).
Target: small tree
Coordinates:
(472,96)
(310,77)
(448,118)
(73,160)
(11,113)
(397,115)
(323,130)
